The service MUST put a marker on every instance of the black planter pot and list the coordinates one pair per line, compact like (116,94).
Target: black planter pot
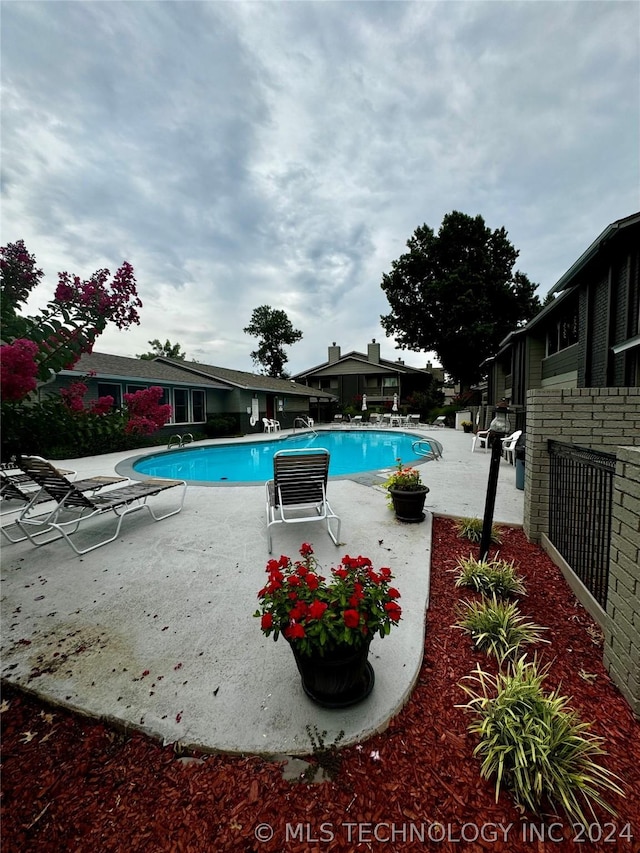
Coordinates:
(338,679)
(409,505)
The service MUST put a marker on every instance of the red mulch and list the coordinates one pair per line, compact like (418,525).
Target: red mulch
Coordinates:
(73,785)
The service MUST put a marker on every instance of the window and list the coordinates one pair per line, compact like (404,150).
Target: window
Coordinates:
(110,389)
(198,406)
(131,389)
(564,332)
(389,383)
(180,405)
(328,384)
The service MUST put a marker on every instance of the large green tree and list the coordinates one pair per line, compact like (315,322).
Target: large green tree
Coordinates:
(167,349)
(274,331)
(456,293)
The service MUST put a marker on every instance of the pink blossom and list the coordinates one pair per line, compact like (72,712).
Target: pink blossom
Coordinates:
(19,369)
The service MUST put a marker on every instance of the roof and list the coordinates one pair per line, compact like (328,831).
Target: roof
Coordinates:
(178,372)
(120,367)
(609,232)
(395,366)
(248,381)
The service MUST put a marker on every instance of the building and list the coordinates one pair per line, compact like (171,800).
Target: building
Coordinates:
(588,336)
(196,391)
(350,376)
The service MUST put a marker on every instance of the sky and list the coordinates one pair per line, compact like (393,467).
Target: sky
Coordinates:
(241,154)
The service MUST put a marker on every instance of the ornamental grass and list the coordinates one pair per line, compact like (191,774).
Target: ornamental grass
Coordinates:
(534,745)
(497,627)
(489,577)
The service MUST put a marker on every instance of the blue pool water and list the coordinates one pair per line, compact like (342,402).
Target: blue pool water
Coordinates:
(352,452)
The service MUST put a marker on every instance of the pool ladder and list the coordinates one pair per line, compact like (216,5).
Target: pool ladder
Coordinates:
(177,441)
(428,448)
(305,423)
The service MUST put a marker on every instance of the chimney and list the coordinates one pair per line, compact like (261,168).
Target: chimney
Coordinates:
(429,366)
(334,353)
(373,352)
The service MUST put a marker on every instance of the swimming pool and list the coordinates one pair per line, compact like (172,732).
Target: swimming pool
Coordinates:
(352,452)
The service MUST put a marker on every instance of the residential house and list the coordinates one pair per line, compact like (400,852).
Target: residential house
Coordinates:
(350,376)
(196,391)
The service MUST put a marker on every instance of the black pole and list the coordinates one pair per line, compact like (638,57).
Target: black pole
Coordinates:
(492,486)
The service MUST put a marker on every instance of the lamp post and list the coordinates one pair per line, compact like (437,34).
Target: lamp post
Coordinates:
(498,429)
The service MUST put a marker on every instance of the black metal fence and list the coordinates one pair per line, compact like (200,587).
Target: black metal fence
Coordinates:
(580,495)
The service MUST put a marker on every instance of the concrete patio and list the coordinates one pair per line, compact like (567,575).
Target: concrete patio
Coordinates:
(156,632)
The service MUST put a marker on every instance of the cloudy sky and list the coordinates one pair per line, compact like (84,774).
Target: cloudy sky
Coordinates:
(248,153)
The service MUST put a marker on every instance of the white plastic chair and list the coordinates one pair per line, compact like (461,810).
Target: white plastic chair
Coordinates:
(481,438)
(268,425)
(509,446)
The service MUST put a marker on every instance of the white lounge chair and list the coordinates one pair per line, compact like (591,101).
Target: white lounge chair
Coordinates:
(439,421)
(20,493)
(298,491)
(74,506)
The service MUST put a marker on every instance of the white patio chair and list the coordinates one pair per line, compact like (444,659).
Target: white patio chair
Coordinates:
(481,438)
(298,491)
(509,446)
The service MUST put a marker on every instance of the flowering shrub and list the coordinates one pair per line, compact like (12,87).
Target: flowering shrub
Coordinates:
(18,377)
(67,327)
(405,478)
(318,615)
(145,413)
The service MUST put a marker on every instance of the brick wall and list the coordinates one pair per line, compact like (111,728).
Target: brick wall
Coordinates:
(599,418)
(603,419)
(622,632)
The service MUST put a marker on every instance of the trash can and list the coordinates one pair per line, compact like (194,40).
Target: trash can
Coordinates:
(519,455)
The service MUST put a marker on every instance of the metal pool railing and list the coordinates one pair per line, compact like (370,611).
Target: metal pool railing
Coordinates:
(580,498)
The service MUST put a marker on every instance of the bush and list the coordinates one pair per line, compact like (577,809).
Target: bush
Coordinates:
(221,425)
(535,745)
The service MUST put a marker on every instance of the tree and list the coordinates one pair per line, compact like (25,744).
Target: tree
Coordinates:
(167,349)
(36,348)
(455,293)
(274,331)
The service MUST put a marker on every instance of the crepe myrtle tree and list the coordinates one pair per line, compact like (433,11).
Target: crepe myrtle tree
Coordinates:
(35,348)
(274,331)
(456,293)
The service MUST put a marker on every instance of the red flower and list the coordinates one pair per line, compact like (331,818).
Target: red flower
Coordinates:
(294,631)
(312,580)
(306,550)
(299,611)
(316,610)
(393,592)
(394,610)
(351,618)
(266,622)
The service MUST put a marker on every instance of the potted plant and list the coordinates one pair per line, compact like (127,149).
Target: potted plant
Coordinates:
(407,493)
(329,623)
(467,426)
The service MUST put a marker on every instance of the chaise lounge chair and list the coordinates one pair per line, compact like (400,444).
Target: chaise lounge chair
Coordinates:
(298,491)
(73,501)
(20,493)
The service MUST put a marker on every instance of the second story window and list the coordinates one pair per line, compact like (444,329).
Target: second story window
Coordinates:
(564,332)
